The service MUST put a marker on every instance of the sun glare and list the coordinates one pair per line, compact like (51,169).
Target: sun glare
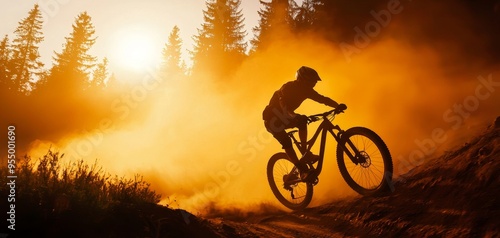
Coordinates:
(135,49)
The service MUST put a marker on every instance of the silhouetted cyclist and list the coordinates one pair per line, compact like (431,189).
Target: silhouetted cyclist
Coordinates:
(280,114)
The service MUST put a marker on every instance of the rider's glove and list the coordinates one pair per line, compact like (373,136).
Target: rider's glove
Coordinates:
(340,108)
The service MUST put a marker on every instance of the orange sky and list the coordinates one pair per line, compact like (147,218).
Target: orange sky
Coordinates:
(113,19)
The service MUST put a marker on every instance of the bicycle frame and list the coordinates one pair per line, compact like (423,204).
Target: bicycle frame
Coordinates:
(327,126)
(357,149)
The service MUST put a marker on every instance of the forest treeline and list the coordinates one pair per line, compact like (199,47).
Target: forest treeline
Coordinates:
(80,86)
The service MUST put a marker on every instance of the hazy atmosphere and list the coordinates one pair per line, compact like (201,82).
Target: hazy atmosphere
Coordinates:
(147,99)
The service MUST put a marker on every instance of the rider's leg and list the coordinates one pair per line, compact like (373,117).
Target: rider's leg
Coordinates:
(302,125)
(303,137)
(279,133)
(303,169)
(287,146)
(292,155)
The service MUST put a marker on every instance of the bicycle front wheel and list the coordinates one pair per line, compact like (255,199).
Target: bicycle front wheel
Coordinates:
(373,173)
(296,194)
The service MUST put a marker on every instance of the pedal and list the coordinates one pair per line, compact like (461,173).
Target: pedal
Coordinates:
(313,179)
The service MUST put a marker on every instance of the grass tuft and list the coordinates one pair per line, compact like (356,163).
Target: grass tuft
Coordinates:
(52,197)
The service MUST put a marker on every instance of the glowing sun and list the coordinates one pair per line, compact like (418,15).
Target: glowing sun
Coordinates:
(135,49)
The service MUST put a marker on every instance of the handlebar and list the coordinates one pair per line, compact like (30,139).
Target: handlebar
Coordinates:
(332,113)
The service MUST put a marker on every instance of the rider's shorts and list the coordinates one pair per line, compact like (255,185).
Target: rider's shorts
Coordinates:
(276,126)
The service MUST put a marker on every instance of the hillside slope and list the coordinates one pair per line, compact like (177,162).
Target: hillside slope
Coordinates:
(455,195)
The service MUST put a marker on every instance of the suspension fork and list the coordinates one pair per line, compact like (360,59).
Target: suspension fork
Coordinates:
(339,137)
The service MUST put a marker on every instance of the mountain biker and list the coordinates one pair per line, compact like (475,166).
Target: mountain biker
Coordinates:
(280,114)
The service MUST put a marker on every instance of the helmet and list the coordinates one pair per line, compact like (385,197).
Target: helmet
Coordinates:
(307,74)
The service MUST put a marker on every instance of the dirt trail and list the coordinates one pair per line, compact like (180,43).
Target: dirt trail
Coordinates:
(455,195)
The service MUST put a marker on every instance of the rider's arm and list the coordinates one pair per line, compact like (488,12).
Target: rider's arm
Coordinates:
(322,99)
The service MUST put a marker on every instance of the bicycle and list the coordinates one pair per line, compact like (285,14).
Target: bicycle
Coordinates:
(367,170)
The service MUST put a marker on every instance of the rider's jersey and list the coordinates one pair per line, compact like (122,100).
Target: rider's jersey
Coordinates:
(289,97)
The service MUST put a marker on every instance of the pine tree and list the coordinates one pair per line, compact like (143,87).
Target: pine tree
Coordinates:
(220,43)
(25,57)
(5,54)
(305,15)
(172,63)
(335,20)
(275,17)
(72,66)
(113,84)
(100,75)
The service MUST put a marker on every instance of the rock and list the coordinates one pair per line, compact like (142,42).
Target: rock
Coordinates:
(497,122)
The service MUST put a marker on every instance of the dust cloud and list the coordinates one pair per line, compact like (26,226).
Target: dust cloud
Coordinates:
(417,83)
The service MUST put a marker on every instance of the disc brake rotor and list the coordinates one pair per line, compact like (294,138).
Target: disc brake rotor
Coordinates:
(365,159)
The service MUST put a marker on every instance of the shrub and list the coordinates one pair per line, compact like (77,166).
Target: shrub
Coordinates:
(49,194)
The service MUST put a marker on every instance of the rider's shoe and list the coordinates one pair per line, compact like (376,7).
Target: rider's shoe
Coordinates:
(290,177)
(309,157)
(305,175)
(308,175)
(305,172)
(303,169)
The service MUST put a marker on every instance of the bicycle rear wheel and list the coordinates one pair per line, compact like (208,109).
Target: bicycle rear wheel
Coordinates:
(299,194)
(373,175)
